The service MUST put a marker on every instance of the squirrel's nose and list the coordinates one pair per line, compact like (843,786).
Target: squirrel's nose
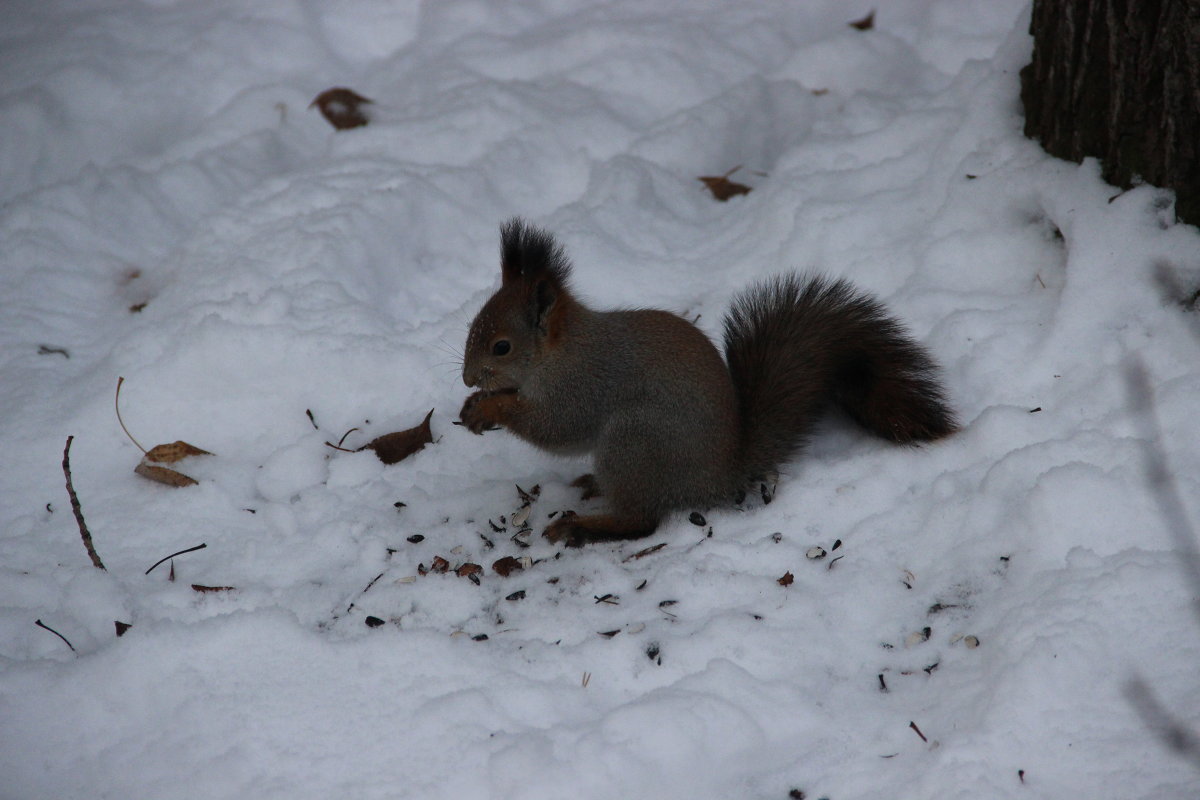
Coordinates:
(476,375)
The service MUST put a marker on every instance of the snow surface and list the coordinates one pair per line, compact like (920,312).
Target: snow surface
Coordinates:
(162,153)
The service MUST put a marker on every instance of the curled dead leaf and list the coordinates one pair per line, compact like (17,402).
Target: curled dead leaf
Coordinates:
(721,187)
(864,24)
(170,453)
(507,566)
(395,447)
(342,107)
(787,579)
(164,475)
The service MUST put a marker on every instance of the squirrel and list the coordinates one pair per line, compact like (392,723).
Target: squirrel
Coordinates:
(669,423)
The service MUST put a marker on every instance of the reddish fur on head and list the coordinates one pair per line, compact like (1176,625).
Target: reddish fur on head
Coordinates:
(529,312)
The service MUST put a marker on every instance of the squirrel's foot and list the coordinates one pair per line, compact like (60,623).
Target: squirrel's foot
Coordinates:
(589,485)
(576,531)
(484,411)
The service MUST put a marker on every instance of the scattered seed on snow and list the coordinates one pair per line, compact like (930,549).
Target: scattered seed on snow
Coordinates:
(917,637)
(520,516)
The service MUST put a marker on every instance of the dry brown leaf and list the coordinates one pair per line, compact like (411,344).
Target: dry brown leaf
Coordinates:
(721,187)
(468,569)
(163,453)
(506,566)
(170,453)
(864,24)
(164,475)
(787,579)
(342,107)
(395,447)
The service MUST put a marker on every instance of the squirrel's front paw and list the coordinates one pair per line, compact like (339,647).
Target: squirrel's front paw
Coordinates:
(483,411)
(469,415)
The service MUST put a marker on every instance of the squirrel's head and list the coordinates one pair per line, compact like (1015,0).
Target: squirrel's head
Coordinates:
(524,319)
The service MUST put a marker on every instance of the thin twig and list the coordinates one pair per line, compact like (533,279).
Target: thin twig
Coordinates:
(117,408)
(43,625)
(364,591)
(84,533)
(200,546)
(643,553)
(338,446)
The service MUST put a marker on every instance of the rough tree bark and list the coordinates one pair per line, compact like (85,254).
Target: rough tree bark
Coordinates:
(1120,80)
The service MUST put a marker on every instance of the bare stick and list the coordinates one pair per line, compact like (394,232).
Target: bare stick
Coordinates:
(181,552)
(44,626)
(913,725)
(84,533)
(338,446)
(643,553)
(117,407)
(364,591)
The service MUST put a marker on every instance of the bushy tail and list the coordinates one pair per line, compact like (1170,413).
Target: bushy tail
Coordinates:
(794,344)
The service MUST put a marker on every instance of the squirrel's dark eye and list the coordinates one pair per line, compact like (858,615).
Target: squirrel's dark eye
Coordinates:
(501,348)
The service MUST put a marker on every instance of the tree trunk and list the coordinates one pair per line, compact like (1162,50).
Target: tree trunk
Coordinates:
(1120,80)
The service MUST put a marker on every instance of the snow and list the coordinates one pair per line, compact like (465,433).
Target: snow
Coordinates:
(162,153)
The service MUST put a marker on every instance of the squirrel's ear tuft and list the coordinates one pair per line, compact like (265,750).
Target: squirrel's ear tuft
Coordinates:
(531,254)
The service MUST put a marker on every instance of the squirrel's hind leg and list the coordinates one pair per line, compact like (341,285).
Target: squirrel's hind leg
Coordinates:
(588,485)
(577,531)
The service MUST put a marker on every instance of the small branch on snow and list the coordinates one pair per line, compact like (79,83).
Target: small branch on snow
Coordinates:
(44,626)
(84,533)
(200,546)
